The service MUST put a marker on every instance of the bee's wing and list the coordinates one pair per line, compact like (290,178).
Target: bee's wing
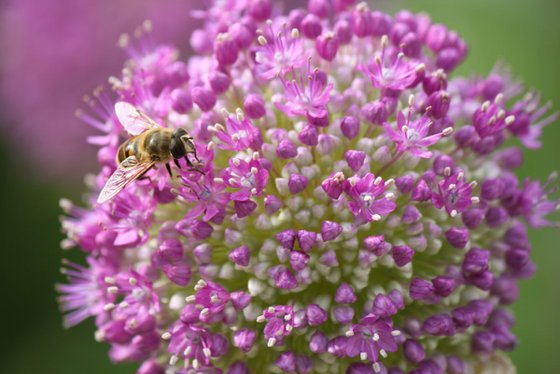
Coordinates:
(128,171)
(133,119)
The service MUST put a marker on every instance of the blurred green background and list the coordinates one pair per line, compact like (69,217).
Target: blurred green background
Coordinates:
(525,34)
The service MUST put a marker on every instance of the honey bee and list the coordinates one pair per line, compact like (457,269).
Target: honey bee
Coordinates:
(149,145)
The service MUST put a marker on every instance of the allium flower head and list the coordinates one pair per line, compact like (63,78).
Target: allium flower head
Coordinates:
(353,209)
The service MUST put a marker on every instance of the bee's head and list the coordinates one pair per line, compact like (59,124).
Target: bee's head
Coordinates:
(181,143)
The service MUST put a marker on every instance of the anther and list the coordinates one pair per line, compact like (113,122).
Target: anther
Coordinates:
(108,307)
(411,100)
(447,131)
(112,290)
(509,120)
(384,41)
(109,280)
(499,98)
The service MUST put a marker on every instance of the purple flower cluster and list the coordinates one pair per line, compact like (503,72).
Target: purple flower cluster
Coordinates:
(355,210)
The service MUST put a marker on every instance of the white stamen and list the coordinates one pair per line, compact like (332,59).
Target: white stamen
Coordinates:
(411,100)
(262,40)
(498,98)
(447,131)
(501,114)
(453,213)
(363,356)
(509,120)
(200,284)
(376,217)
(108,307)
(294,33)
(99,336)
(384,41)
(447,171)
(173,360)
(166,335)
(475,200)
(190,299)
(376,367)
(271,342)
(261,319)
(377,181)
(206,352)
(395,332)
(109,280)
(113,289)
(240,114)
(383,353)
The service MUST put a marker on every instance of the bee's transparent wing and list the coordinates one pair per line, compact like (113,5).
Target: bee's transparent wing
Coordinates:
(133,119)
(128,171)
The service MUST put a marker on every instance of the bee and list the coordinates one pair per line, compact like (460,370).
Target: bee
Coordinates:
(149,145)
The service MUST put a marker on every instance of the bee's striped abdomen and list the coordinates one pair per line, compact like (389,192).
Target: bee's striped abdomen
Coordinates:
(127,149)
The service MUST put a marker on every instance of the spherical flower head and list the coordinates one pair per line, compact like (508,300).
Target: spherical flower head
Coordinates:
(323,220)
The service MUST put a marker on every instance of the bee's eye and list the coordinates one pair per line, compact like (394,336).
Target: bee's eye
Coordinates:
(177,148)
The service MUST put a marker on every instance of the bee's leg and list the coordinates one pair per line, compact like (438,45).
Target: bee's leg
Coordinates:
(195,156)
(169,170)
(143,175)
(192,167)
(177,163)
(189,163)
